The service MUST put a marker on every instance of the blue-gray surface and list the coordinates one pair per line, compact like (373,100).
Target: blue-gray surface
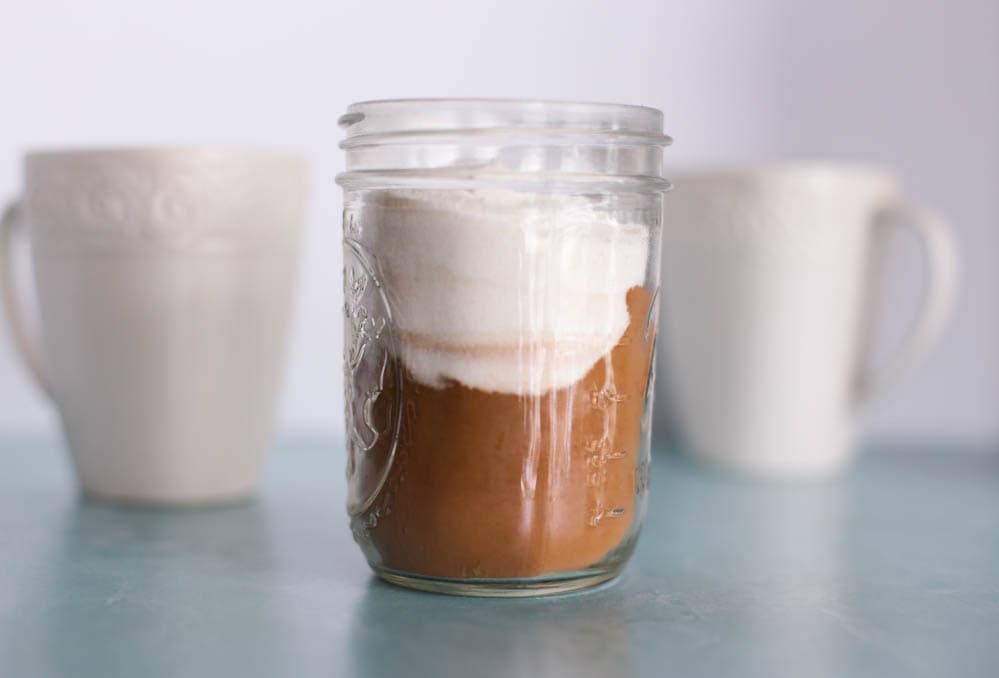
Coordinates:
(893,570)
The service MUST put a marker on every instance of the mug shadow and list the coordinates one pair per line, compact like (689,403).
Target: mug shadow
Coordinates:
(144,591)
(748,571)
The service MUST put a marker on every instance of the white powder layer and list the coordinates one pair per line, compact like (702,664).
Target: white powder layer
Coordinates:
(501,291)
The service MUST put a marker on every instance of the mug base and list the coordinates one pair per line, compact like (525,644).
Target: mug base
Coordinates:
(194,502)
(778,470)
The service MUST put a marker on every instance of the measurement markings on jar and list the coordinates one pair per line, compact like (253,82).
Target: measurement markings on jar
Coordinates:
(602,514)
(606,397)
(602,452)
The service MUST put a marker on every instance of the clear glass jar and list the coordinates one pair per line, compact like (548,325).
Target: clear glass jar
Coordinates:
(501,268)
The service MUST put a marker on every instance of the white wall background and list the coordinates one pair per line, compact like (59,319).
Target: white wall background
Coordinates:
(911,84)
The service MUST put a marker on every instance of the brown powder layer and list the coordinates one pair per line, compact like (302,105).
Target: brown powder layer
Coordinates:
(507,486)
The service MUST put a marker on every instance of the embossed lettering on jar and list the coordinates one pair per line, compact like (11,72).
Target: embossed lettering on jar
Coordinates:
(501,268)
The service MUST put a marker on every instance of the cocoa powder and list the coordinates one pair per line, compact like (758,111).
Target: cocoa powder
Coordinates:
(477,484)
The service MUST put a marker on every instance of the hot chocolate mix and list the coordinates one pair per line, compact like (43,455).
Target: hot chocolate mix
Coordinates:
(503,385)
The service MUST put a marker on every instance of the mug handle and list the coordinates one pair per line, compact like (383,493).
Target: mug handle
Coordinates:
(941,265)
(31,354)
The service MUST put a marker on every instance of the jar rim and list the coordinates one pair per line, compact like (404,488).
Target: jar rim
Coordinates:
(502,100)
(383,120)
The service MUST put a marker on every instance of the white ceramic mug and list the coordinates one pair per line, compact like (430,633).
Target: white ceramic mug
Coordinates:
(164,281)
(766,299)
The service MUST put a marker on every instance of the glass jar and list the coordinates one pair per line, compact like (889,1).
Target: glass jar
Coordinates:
(501,269)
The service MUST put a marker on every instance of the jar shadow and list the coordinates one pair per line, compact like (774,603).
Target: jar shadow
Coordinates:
(400,632)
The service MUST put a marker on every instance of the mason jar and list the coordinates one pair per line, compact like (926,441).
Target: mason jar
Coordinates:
(501,275)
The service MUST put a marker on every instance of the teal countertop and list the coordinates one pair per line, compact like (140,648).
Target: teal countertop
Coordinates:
(891,571)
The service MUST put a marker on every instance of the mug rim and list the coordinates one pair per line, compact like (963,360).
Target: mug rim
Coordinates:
(53,153)
(816,171)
